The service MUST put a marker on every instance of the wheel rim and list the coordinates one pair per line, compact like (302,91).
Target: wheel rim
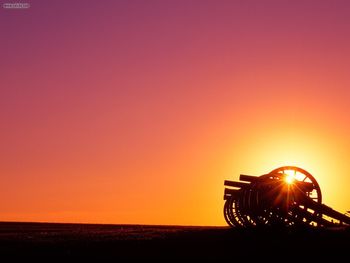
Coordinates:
(301,176)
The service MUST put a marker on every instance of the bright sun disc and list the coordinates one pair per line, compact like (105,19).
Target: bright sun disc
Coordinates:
(289,178)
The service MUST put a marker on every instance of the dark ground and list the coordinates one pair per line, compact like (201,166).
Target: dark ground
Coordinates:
(50,242)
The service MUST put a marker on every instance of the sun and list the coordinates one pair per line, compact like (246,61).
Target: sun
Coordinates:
(290,176)
(289,179)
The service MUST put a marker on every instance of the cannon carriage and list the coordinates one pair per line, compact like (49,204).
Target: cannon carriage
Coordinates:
(287,196)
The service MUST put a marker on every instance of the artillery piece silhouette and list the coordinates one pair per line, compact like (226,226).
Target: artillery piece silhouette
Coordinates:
(287,196)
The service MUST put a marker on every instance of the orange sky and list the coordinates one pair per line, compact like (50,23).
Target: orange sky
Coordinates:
(136,112)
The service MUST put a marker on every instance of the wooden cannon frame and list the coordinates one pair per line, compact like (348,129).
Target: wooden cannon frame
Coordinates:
(287,196)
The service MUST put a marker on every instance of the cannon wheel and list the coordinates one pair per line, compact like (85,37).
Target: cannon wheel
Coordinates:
(316,195)
(231,213)
(304,176)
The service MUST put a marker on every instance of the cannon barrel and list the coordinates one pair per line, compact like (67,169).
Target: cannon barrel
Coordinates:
(304,186)
(248,178)
(235,184)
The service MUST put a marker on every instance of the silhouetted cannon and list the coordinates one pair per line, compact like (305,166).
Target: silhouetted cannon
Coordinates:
(287,196)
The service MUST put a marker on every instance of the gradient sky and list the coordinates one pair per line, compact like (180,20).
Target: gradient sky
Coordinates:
(136,111)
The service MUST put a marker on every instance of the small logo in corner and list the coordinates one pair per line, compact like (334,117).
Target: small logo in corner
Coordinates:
(15,5)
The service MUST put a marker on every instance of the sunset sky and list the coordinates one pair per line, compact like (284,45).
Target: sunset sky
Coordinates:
(135,112)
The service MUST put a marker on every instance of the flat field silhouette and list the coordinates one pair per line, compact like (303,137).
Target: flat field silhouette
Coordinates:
(52,241)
